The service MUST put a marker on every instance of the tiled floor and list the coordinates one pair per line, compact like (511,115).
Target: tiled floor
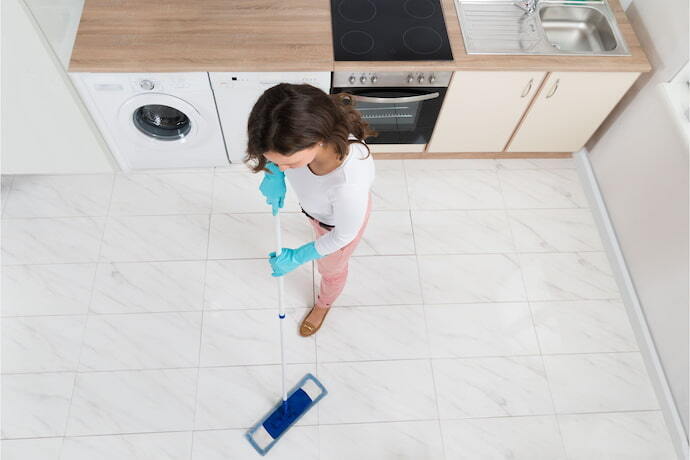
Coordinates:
(481,321)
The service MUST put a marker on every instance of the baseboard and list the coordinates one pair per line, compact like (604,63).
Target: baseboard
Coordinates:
(632,304)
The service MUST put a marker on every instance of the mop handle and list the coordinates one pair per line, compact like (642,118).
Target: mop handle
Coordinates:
(281,310)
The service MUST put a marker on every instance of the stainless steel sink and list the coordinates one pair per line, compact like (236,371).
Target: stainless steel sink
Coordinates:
(555,28)
(584,29)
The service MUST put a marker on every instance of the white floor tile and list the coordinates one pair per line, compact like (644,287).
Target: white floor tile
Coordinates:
(150,238)
(377,391)
(624,436)
(41,343)
(373,333)
(518,438)
(485,329)
(444,189)
(132,287)
(387,165)
(46,241)
(449,164)
(471,278)
(448,232)
(238,192)
(35,405)
(29,449)
(62,289)
(159,194)
(382,441)
(380,280)
(389,191)
(583,326)
(542,188)
(238,397)
(5,188)
(252,337)
(59,196)
(554,230)
(141,341)
(240,284)
(132,402)
(491,387)
(599,382)
(151,446)
(586,276)
(299,443)
(535,163)
(387,233)
(242,236)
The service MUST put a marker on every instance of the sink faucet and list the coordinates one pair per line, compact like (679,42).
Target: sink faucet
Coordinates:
(528,6)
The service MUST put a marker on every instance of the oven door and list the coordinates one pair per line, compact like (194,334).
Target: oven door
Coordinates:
(399,115)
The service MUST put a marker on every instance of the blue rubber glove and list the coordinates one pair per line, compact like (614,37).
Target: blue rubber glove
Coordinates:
(273,187)
(289,259)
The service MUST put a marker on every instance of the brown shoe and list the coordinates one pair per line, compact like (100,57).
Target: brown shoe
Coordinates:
(307,327)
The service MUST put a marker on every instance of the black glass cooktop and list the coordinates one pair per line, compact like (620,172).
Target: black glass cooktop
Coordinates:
(389,30)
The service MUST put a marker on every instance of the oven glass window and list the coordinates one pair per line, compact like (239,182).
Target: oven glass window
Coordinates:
(385,117)
(398,115)
(162,122)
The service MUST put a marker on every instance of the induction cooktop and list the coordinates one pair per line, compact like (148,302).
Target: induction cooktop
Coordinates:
(389,30)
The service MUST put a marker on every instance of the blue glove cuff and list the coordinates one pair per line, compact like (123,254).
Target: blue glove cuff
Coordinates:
(309,252)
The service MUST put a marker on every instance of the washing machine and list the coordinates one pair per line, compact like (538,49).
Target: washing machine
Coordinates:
(155,120)
(236,93)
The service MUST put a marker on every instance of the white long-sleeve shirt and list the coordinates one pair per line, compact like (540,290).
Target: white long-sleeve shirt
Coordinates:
(339,198)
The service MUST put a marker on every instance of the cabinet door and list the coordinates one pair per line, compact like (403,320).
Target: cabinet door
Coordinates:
(481,110)
(570,106)
(46,129)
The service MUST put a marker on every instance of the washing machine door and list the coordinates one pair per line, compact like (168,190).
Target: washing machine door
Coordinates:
(162,121)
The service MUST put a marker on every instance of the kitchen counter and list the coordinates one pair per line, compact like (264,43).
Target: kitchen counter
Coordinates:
(203,35)
(268,35)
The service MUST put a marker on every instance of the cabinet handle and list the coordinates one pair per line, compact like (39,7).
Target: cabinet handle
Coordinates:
(553,89)
(528,88)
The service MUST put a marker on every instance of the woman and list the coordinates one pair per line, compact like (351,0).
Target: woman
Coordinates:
(317,141)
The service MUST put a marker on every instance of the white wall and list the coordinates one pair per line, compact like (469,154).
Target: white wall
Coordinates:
(45,127)
(641,164)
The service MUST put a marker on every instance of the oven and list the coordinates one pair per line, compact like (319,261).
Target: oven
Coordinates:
(401,106)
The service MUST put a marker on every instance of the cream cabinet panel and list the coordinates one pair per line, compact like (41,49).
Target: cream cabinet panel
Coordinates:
(46,129)
(482,109)
(568,109)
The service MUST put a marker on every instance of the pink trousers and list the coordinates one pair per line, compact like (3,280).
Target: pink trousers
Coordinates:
(333,268)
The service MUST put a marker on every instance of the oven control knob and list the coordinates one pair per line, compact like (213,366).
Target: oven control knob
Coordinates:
(410,78)
(352,79)
(146,85)
(420,79)
(374,78)
(363,79)
(432,78)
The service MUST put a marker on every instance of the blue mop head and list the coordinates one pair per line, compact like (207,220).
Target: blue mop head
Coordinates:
(301,398)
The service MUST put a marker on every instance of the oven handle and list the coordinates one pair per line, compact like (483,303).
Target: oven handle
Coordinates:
(388,100)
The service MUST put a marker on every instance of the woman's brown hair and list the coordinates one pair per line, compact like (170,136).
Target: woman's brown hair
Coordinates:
(288,118)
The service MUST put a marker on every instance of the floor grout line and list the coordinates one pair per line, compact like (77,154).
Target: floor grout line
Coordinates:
(531,316)
(86,323)
(201,328)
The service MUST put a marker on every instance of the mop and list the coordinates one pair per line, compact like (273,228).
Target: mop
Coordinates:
(308,391)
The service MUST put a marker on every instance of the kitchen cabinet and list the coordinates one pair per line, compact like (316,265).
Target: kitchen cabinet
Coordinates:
(567,110)
(46,130)
(481,110)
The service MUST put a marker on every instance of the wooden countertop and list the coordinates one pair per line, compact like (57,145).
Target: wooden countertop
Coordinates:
(272,35)
(203,35)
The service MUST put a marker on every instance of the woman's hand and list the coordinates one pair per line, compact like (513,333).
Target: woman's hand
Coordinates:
(273,187)
(290,259)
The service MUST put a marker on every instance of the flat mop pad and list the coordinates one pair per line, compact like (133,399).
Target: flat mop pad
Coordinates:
(302,397)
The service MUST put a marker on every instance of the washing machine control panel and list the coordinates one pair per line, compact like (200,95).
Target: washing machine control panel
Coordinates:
(147,85)
(160,84)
